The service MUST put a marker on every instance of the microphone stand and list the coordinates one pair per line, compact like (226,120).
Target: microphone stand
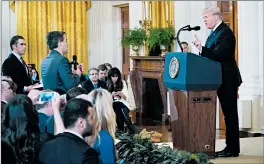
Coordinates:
(178,33)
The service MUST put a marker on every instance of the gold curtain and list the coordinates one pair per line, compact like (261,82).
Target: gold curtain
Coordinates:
(36,18)
(161,12)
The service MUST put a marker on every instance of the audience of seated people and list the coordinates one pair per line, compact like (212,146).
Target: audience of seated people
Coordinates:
(20,129)
(103,137)
(93,82)
(89,134)
(69,146)
(72,93)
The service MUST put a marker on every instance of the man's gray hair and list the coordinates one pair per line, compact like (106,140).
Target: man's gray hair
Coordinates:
(215,11)
(93,69)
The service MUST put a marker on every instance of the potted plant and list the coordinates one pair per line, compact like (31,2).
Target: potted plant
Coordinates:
(135,38)
(138,149)
(162,37)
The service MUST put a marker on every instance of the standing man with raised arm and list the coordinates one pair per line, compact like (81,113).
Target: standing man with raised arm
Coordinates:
(15,67)
(56,72)
(220,46)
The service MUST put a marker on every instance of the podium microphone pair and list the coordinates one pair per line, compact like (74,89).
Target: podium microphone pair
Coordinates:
(186,28)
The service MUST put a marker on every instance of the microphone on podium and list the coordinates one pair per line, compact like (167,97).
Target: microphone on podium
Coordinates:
(195,28)
(186,28)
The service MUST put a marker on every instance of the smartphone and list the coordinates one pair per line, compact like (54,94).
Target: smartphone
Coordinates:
(46,96)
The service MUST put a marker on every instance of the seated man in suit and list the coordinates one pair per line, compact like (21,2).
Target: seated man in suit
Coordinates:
(15,67)
(93,81)
(56,72)
(102,72)
(69,146)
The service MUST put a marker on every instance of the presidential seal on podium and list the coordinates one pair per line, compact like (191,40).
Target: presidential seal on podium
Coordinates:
(174,67)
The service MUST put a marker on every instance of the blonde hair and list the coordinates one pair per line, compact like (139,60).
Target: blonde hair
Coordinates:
(104,113)
(214,10)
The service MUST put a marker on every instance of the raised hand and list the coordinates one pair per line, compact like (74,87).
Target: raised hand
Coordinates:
(197,43)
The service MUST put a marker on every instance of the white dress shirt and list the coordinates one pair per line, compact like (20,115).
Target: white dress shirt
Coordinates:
(217,25)
(59,52)
(72,132)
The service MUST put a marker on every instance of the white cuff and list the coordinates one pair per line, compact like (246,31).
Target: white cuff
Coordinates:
(25,89)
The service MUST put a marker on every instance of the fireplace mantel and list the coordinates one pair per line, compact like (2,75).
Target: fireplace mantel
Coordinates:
(147,67)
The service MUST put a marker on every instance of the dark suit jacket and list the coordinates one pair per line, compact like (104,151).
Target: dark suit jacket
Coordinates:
(220,47)
(14,68)
(3,104)
(56,73)
(67,148)
(88,85)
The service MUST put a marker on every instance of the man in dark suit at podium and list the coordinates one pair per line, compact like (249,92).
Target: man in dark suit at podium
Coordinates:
(220,46)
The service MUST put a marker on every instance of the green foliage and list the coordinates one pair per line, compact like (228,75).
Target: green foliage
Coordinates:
(161,36)
(135,149)
(136,37)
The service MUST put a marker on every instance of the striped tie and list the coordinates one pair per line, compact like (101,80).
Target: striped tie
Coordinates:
(25,65)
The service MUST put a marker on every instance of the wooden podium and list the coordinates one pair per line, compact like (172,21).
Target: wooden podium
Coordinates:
(194,81)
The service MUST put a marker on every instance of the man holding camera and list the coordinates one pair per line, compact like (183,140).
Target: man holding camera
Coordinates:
(56,72)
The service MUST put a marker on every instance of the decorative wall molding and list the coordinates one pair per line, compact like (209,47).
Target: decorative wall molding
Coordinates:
(9,29)
(250,55)
(104,33)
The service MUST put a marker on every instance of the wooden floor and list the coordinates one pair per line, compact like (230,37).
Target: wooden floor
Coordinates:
(151,125)
(167,135)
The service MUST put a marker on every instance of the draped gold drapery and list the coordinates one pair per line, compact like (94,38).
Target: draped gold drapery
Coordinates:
(157,14)
(161,12)
(36,18)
